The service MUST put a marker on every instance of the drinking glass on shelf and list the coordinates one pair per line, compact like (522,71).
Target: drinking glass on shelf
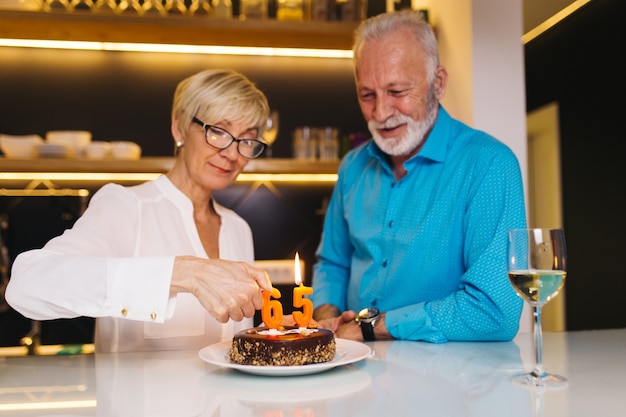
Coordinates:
(271,132)
(175,7)
(56,5)
(252,9)
(328,143)
(125,6)
(536,269)
(81,5)
(290,10)
(152,7)
(200,7)
(222,9)
(305,143)
(109,6)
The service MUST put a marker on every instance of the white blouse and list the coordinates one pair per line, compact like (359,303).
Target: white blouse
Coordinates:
(116,263)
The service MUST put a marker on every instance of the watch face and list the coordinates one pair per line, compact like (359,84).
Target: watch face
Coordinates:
(367,313)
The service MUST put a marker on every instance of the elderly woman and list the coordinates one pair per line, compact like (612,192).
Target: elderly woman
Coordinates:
(161,265)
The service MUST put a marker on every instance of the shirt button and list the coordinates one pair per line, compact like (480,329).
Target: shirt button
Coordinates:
(384,264)
(124,312)
(153,315)
(391,223)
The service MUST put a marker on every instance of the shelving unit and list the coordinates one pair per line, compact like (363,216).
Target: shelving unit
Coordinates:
(55,177)
(191,30)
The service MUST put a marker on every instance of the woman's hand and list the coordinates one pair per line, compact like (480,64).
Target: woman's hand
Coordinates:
(227,289)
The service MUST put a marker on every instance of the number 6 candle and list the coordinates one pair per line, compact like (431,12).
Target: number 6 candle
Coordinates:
(302,318)
(272,311)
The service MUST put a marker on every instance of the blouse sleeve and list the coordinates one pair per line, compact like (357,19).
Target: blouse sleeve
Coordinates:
(91,269)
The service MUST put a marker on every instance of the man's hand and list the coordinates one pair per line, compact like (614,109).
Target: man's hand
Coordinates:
(344,324)
(334,323)
(352,330)
(326,311)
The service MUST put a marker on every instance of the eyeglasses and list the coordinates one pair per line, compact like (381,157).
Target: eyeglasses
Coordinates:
(221,139)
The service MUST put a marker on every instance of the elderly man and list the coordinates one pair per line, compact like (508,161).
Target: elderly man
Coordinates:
(414,241)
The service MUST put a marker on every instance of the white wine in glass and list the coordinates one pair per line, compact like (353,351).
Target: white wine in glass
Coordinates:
(271,132)
(536,269)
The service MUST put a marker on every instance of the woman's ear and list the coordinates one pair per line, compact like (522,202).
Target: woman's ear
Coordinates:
(177,135)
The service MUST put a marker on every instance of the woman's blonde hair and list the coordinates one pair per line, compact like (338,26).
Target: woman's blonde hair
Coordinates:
(218,95)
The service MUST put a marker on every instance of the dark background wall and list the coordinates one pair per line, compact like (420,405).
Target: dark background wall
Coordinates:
(128,95)
(580,66)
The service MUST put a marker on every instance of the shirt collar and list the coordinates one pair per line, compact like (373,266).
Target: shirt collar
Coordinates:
(180,198)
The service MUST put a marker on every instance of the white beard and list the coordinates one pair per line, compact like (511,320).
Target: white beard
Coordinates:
(415,133)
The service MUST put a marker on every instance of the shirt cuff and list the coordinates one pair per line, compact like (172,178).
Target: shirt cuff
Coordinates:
(140,288)
(412,323)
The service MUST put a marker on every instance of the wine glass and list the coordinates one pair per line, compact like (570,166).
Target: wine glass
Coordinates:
(271,132)
(536,269)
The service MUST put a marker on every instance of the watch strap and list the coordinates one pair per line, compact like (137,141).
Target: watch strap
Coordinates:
(367,328)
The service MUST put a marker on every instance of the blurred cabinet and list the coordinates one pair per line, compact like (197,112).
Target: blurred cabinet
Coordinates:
(28,222)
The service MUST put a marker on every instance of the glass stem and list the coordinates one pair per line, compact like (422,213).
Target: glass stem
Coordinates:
(539,371)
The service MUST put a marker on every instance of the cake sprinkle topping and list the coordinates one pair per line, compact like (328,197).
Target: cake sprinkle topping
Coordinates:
(304,331)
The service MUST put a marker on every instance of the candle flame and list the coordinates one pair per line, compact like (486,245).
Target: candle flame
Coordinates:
(296,270)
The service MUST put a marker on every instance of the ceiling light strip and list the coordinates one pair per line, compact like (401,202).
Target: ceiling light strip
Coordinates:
(244,177)
(177,48)
(46,192)
(48,405)
(140,177)
(552,21)
(77,176)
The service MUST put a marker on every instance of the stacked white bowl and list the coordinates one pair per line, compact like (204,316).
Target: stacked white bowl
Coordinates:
(20,146)
(98,149)
(125,150)
(66,143)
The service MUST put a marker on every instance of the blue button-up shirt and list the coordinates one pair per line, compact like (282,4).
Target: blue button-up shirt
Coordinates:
(428,249)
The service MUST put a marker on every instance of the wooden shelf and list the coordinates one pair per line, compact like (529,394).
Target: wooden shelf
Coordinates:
(87,26)
(37,165)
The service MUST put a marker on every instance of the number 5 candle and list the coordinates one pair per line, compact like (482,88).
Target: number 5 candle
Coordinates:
(304,317)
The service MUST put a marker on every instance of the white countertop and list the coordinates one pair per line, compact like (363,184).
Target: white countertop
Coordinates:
(399,379)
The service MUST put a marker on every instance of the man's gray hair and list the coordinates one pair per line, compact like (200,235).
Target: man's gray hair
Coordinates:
(379,26)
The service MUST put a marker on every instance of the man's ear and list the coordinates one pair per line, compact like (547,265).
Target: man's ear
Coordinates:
(440,81)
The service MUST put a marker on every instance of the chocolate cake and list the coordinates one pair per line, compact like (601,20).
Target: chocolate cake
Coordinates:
(286,346)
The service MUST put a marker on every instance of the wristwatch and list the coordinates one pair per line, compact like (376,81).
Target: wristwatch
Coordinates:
(366,319)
